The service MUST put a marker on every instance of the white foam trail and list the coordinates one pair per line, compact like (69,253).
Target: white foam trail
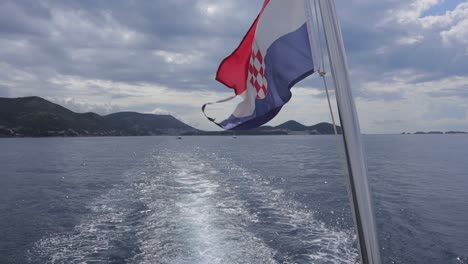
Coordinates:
(191,213)
(192,226)
(331,245)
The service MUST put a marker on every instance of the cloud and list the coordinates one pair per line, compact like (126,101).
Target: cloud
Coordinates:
(81,107)
(421,106)
(4,91)
(162,55)
(160,111)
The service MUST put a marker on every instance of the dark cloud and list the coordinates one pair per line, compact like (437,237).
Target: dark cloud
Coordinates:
(17,19)
(372,42)
(122,40)
(87,39)
(179,43)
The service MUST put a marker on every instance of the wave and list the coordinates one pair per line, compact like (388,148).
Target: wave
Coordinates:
(196,207)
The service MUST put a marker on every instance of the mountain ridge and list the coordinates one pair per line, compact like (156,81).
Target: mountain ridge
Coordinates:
(37,117)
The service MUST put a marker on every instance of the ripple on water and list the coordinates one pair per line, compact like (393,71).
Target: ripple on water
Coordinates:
(196,208)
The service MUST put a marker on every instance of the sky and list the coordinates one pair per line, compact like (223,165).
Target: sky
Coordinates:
(408,59)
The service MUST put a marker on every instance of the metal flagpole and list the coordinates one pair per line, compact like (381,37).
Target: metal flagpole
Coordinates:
(358,186)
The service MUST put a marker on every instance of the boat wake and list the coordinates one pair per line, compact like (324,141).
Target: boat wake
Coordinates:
(196,207)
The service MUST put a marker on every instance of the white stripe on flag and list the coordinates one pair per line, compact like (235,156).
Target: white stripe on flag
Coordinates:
(279,18)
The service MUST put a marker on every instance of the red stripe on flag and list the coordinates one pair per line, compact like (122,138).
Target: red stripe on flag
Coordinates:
(233,70)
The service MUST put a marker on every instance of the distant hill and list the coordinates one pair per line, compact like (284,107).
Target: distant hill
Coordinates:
(295,127)
(35,116)
(325,128)
(292,126)
(436,133)
(456,132)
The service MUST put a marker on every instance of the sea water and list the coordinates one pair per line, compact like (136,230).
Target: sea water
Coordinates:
(258,199)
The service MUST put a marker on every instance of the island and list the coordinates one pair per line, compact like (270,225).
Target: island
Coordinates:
(435,133)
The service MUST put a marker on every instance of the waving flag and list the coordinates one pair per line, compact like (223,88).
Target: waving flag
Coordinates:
(274,55)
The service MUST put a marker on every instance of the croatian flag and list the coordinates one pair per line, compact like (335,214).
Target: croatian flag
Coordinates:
(274,55)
